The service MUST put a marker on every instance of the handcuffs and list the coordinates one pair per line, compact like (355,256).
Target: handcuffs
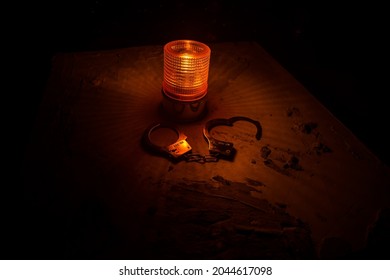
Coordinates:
(181,149)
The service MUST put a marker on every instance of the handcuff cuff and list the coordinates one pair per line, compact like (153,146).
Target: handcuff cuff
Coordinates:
(181,149)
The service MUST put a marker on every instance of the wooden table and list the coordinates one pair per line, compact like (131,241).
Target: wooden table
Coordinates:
(307,189)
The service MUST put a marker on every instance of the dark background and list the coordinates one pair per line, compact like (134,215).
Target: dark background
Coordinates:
(335,50)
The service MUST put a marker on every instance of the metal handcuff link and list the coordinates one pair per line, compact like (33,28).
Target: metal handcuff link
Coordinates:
(181,149)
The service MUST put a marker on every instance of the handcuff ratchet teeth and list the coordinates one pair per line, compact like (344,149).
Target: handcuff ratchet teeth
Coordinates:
(223,148)
(176,150)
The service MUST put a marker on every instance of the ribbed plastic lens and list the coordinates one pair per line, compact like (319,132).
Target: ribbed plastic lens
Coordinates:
(186,69)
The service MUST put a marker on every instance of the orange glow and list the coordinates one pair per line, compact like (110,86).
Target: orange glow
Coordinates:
(186,69)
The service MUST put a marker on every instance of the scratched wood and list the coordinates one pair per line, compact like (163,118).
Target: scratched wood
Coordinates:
(308,179)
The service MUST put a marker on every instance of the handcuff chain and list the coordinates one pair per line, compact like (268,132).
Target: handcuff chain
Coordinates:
(199,158)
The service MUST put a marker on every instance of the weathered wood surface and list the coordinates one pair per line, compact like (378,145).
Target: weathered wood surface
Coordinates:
(307,181)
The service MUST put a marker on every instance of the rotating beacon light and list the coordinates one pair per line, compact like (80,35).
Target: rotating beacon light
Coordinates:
(186,71)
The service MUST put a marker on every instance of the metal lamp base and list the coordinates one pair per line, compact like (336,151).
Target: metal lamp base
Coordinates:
(184,111)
